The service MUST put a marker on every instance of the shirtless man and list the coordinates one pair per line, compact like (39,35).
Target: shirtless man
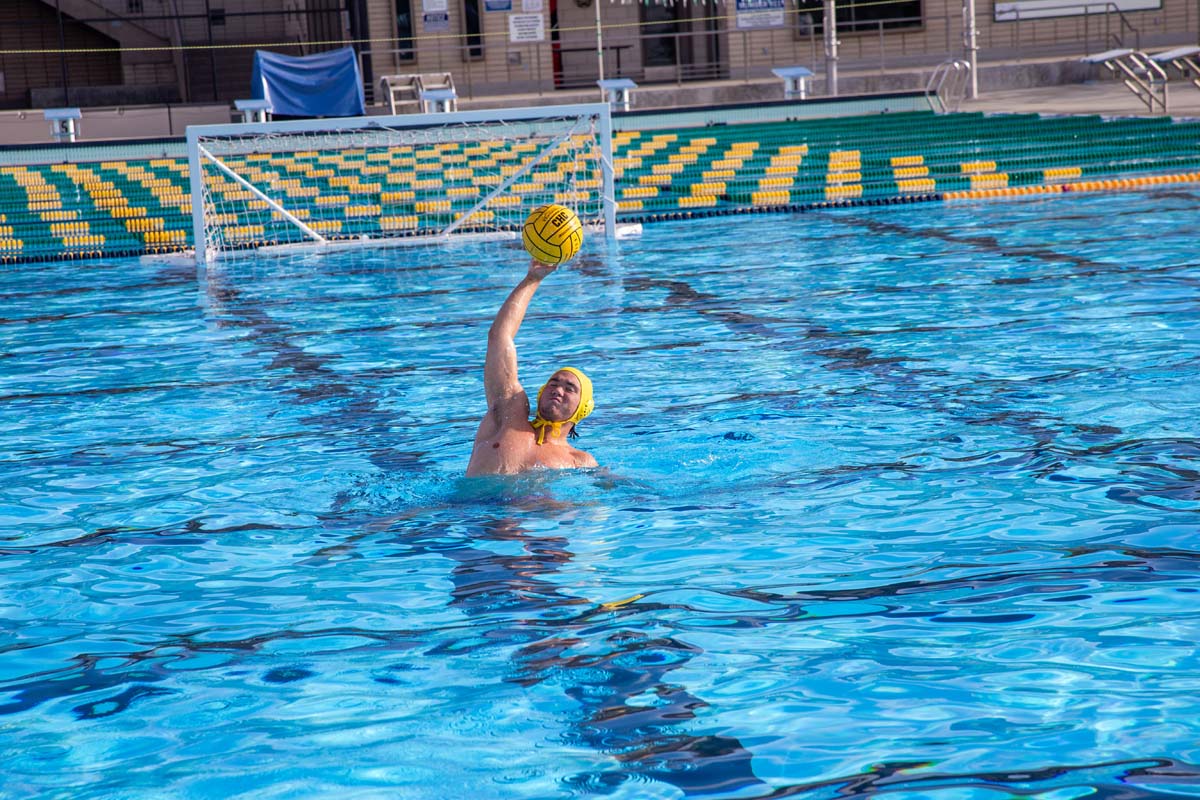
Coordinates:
(507,442)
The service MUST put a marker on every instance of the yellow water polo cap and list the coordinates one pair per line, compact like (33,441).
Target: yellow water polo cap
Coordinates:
(585,407)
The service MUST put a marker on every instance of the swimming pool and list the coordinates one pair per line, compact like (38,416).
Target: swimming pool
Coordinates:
(896,502)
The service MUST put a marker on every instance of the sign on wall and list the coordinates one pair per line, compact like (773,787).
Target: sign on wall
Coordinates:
(527,28)
(1040,9)
(437,22)
(435,16)
(760,13)
(497,5)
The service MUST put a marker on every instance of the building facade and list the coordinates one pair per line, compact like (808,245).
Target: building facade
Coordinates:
(124,52)
(130,52)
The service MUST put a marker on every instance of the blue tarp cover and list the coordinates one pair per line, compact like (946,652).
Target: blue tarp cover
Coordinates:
(321,85)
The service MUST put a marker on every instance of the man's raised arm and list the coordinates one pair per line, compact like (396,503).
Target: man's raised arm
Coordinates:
(500,367)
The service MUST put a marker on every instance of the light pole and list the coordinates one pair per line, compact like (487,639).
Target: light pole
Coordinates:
(599,46)
(62,54)
(831,46)
(971,41)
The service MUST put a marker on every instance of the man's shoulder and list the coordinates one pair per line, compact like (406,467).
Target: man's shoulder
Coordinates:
(583,458)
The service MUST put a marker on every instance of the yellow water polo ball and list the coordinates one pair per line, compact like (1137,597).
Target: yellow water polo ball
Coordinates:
(552,234)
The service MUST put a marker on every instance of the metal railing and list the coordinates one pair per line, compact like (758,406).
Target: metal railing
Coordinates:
(1141,74)
(947,85)
(700,49)
(726,53)
(1103,8)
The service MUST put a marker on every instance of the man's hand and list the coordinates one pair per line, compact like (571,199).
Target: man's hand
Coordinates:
(538,270)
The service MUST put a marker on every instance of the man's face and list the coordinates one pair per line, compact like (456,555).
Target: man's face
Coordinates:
(560,398)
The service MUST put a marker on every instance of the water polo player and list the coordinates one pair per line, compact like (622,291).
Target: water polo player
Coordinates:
(507,442)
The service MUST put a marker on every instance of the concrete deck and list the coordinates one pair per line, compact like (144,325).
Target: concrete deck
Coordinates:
(1107,98)
(1045,86)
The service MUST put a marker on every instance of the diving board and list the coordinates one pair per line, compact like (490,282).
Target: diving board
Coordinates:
(1141,74)
(1183,59)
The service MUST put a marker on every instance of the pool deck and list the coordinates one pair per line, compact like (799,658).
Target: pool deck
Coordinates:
(1051,85)
(1107,98)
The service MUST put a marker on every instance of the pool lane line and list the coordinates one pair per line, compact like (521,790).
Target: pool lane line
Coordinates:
(1038,430)
(1110,185)
(307,377)
(841,350)
(307,380)
(649,740)
(1098,185)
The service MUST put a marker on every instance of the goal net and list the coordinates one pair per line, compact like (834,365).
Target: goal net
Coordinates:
(396,179)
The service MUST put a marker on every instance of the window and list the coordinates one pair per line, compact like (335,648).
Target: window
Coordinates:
(660,29)
(404,31)
(857,17)
(473,27)
(134,7)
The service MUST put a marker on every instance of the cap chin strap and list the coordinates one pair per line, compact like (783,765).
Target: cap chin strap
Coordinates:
(540,424)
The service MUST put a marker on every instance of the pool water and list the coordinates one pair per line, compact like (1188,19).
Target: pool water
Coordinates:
(895,502)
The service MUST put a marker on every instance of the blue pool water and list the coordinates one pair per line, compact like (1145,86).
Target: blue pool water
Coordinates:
(896,503)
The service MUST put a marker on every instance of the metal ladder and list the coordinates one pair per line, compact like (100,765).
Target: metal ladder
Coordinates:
(1184,59)
(947,85)
(1140,73)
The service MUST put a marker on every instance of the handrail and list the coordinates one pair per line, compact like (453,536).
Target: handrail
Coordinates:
(1140,73)
(949,96)
(1107,7)
(1125,23)
(1148,81)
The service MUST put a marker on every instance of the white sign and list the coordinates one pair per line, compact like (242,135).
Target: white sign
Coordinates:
(1035,9)
(760,13)
(434,6)
(531,6)
(437,22)
(527,28)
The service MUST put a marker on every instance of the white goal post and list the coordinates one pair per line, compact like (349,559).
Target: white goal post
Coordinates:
(401,179)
